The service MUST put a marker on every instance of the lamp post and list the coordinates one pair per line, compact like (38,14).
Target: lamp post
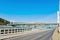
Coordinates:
(58,20)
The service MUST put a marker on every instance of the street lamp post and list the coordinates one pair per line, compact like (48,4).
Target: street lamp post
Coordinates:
(58,20)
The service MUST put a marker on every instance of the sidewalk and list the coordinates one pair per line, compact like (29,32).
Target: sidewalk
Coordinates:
(55,34)
(59,34)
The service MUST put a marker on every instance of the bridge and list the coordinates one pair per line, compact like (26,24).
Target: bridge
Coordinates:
(14,32)
(35,34)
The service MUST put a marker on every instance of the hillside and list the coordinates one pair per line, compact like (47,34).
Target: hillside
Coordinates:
(3,21)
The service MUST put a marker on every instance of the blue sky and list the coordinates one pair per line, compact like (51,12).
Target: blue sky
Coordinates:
(29,10)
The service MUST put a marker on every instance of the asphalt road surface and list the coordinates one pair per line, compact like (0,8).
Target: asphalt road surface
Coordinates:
(46,35)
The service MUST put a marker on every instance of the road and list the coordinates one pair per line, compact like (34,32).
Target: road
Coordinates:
(46,35)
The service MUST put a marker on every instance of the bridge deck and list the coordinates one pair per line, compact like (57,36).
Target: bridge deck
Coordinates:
(21,33)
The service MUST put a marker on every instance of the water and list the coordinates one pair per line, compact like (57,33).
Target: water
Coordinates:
(46,27)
